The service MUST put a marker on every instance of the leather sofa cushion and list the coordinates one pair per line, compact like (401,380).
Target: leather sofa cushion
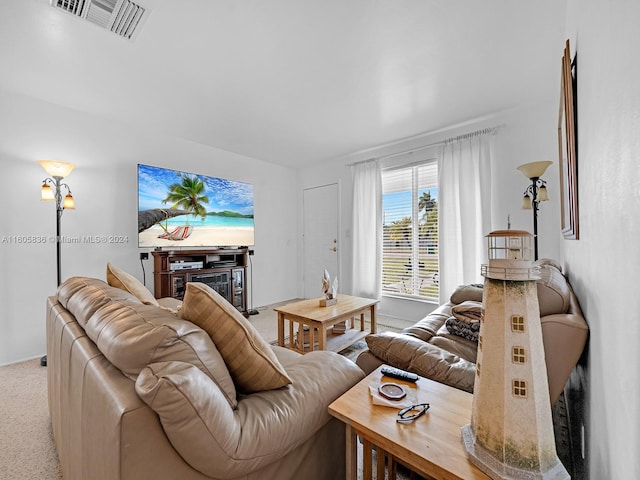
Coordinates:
(456,344)
(120,279)
(430,325)
(253,365)
(425,359)
(265,427)
(132,335)
(465,293)
(85,296)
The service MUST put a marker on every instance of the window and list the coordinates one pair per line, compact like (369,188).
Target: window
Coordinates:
(517,323)
(520,388)
(517,355)
(410,231)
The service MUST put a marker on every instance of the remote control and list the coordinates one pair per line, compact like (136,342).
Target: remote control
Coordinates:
(400,374)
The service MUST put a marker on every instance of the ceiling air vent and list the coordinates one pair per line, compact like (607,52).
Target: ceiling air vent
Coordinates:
(122,17)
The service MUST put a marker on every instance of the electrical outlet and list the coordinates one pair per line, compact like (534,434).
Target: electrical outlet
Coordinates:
(144,255)
(250,252)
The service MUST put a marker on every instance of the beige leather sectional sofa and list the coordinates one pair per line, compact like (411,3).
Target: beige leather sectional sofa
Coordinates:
(136,392)
(429,349)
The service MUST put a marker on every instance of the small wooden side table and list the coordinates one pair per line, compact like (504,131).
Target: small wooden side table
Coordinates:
(309,313)
(431,445)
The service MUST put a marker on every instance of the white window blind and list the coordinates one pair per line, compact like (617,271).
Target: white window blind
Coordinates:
(410,231)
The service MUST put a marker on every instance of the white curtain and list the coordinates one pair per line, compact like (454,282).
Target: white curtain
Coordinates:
(367,229)
(465,206)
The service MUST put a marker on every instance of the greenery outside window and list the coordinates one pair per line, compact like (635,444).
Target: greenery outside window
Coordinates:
(410,231)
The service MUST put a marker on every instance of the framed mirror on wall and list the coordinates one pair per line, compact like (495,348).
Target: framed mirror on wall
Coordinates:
(567,146)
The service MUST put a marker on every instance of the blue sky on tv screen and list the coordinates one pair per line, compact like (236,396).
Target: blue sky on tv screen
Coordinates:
(154,182)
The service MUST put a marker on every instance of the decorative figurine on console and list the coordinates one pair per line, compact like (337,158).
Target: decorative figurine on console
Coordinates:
(329,289)
(511,431)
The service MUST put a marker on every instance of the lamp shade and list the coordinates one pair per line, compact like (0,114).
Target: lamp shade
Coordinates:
(534,169)
(542,194)
(68,202)
(46,192)
(526,202)
(56,168)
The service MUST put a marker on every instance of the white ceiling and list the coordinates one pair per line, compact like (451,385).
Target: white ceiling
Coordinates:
(290,81)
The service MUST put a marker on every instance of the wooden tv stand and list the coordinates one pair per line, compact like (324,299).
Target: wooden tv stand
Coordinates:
(224,270)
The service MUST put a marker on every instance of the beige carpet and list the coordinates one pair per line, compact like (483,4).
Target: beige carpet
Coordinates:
(27,450)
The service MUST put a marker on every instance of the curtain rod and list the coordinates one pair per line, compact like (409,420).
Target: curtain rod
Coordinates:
(447,141)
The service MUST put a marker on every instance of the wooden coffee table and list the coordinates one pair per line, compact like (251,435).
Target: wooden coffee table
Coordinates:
(320,320)
(431,445)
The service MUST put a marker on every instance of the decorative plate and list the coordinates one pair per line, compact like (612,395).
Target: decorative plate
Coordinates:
(392,391)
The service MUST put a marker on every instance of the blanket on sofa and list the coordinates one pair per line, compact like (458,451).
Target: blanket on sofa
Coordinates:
(465,320)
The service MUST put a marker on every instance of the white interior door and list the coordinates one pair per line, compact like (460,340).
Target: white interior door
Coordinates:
(321,249)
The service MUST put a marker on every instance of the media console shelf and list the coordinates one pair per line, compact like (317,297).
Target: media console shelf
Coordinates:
(224,270)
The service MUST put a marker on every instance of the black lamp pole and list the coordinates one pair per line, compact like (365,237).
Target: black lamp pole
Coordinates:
(534,206)
(57,185)
(59,210)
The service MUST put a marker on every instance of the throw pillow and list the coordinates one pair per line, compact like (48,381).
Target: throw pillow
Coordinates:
(120,279)
(250,360)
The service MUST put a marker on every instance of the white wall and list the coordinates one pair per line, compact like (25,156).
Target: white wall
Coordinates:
(104,185)
(603,264)
(529,134)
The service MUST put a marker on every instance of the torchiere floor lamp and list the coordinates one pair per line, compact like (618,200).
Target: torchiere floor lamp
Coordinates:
(535,193)
(52,190)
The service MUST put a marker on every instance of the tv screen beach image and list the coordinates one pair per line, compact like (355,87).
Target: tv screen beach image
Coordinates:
(180,209)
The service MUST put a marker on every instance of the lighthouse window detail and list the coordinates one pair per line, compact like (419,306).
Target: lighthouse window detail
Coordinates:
(517,355)
(517,323)
(520,388)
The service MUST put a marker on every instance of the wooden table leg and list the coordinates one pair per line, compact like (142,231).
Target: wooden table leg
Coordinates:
(373,318)
(281,329)
(290,333)
(322,333)
(352,453)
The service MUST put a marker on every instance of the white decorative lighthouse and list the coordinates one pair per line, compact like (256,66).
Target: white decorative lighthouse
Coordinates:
(511,430)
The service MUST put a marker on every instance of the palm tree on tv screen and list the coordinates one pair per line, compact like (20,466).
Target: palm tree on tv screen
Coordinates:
(187,195)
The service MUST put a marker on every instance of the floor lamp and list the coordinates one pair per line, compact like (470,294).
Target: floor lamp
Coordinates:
(52,190)
(535,193)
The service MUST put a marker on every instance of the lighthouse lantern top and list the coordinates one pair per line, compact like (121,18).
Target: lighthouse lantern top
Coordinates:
(510,254)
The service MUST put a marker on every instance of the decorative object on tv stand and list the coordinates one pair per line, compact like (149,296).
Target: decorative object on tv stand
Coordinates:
(330,290)
(511,431)
(535,193)
(52,190)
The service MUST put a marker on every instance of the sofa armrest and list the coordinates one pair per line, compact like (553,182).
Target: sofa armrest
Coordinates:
(224,443)
(564,337)
(408,353)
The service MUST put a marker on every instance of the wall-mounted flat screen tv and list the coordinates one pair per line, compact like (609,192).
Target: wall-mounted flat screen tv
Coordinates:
(181,209)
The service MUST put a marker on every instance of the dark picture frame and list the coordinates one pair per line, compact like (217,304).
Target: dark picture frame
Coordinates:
(567,147)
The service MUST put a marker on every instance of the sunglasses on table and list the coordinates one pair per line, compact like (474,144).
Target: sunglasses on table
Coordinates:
(409,414)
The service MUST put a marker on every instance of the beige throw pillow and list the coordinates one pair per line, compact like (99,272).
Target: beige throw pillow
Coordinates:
(124,281)
(250,360)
